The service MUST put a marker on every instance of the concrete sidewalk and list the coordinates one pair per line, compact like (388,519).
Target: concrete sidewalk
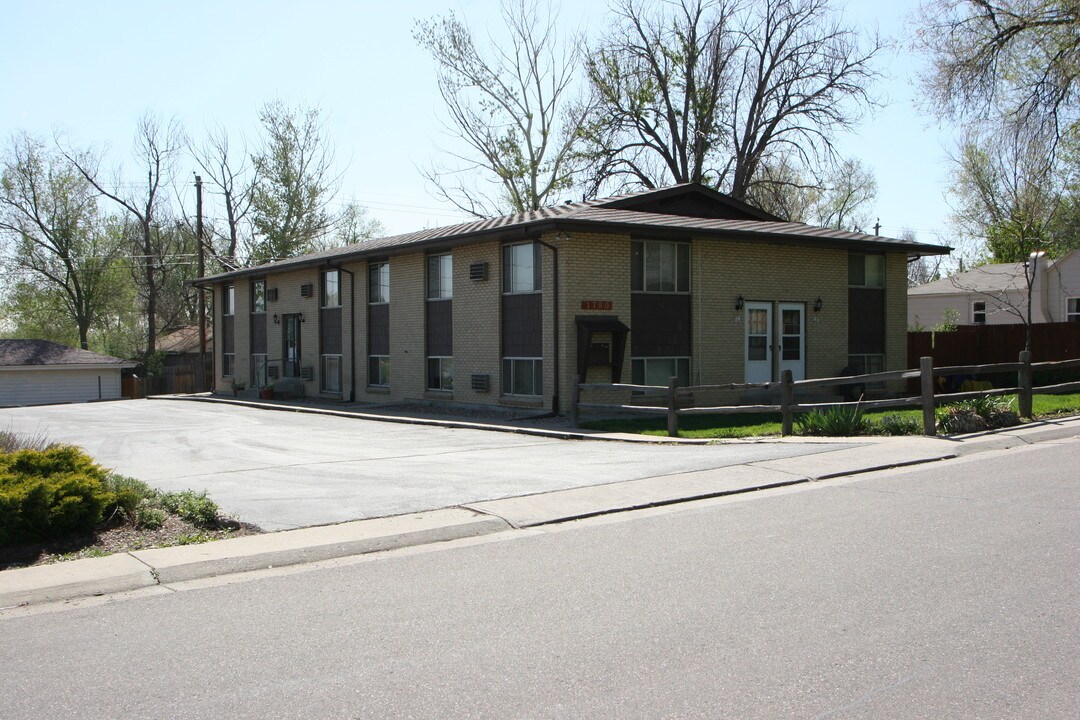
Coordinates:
(145,568)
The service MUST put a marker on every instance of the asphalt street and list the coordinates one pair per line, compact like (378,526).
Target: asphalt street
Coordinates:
(946,591)
(282,470)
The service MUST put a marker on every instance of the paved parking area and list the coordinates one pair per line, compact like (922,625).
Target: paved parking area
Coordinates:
(283,470)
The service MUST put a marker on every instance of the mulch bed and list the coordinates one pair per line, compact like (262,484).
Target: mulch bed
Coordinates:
(121,538)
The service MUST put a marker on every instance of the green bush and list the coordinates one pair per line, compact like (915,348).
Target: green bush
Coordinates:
(49,493)
(896,425)
(834,421)
(976,415)
(194,507)
(148,517)
(127,494)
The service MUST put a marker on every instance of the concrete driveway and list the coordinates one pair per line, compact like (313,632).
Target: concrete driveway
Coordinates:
(282,470)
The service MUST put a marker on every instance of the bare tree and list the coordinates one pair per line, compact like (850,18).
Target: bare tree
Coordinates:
(713,91)
(234,176)
(510,106)
(842,199)
(296,183)
(58,235)
(156,148)
(922,269)
(1020,58)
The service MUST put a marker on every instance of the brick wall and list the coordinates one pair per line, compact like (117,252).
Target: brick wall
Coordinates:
(477,345)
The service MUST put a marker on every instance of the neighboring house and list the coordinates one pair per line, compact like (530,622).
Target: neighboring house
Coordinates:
(39,372)
(998,294)
(182,349)
(681,281)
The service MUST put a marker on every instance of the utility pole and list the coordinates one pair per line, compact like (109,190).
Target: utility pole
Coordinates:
(201,375)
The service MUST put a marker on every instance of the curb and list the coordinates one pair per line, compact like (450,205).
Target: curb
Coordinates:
(433,422)
(144,568)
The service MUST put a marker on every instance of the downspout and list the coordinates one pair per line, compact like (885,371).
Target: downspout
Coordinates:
(555,321)
(352,329)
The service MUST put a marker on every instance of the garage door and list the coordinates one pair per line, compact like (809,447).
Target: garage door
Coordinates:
(41,387)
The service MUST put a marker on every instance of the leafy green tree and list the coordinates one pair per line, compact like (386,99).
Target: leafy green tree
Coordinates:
(57,240)
(510,106)
(295,186)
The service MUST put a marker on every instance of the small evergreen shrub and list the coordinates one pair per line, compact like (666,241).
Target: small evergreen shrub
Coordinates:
(834,421)
(50,493)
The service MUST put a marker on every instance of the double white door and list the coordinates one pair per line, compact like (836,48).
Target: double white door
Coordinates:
(763,338)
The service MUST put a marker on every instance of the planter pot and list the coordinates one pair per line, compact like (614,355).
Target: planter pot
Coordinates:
(266,394)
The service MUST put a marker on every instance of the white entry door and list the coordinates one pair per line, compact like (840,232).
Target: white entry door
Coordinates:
(793,339)
(758,342)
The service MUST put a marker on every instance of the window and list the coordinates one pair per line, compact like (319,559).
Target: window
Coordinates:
(523,376)
(866,270)
(440,373)
(521,268)
(978,312)
(228,364)
(258,370)
(228,300)
(440,277)
(866,364)
(657,266)
(657,371)
(331,288)
(258,296)
(331,373)
(379,371)
(379,283)
(1073,310)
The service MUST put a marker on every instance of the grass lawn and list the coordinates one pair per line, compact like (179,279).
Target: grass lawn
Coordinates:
(765,424)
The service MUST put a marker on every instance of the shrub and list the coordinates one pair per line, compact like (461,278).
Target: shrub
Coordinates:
(834,421)
(49,493)
(127,494)
(148,517)
(896,425)
(975,415)
(194,507)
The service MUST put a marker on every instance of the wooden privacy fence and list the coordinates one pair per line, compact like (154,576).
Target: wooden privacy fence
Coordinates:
(787,407)
(995,343)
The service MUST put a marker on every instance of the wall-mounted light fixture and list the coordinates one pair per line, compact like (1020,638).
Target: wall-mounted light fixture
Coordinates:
(277,320)
(817,305)
(302,318)
(739,303)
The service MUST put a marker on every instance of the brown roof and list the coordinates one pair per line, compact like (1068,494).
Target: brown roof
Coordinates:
(44,352)
(183,340)
(616,214)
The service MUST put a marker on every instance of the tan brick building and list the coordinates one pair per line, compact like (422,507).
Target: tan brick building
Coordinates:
(681,281)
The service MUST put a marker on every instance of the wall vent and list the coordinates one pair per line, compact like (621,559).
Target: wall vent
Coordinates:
(271,295)
(478,271)
(481,383)
(307,372)
(307,290)
(272,372)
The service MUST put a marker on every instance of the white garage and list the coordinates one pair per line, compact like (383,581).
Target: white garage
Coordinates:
(39,372)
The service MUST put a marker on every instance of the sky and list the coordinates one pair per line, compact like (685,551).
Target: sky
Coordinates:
(90,70)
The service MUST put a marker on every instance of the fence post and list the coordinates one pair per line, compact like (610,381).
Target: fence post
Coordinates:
(926,379)
(787,394)
(1024,380)
(672,410)
(575,398)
